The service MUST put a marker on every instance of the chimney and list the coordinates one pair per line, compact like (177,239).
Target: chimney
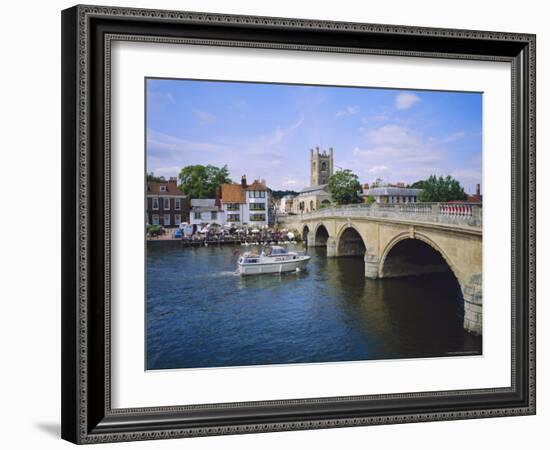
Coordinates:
(478,189)
(243,181)
(173,180)
(263,181)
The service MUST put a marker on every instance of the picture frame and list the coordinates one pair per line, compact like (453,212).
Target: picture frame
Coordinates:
(87,413)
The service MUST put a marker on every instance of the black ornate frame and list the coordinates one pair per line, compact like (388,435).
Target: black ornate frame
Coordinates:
(87,32)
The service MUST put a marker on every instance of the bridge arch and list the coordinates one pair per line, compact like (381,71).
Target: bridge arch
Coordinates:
(321,235)
(305,233)
(414,255)
(350,242)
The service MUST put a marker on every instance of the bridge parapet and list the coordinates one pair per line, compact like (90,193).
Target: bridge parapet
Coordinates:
(460,214)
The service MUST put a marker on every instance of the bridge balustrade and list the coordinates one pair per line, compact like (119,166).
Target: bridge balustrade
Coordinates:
(460,214)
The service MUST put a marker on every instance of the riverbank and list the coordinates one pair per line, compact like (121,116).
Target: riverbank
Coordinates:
(213,240)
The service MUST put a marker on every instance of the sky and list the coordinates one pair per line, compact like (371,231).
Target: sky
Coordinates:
(266,131)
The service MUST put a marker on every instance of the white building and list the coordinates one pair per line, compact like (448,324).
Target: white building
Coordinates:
(205,210)
(238,204)
(391,194)
(285,204)
(256,211)
(311,198)
(244,204)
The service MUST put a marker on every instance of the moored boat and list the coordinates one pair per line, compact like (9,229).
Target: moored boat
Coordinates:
(274,259)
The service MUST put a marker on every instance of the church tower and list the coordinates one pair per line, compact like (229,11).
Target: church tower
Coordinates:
(321,166)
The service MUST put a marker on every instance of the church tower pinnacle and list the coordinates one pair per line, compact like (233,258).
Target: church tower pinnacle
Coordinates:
(321,166)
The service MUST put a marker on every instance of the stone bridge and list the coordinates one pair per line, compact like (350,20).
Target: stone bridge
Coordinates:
(406,239)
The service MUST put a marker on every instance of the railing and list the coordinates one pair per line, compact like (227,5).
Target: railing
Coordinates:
(460,214)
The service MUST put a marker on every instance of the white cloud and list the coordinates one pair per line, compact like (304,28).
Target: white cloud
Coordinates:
(448,138)
(204,117)
(405,100)
(348,111)
(156,96)
(159,100)
(161,143)
(397,153)
(259,156)
(276,136)
(379,170)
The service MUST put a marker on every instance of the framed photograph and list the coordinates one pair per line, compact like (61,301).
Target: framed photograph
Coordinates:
(280,224)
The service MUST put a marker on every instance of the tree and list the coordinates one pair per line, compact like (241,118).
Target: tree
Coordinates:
(441,189)
(281,194)
(344,187)
(370,199)
(417,184)
(152,177)
(202,181)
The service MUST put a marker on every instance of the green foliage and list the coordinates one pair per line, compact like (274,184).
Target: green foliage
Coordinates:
(154,230)
(202,181)
(370,200)
(417,184)
(344,187)
(441,189)
(152,177)
(280,194)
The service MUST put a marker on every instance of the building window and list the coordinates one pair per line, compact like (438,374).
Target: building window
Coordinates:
(155,219)
(177,204)
(166,203)
(257,217)
(232,206)
(214,215)
(155,201)
(233,218)
(257,206)
(197,215)
(166,220)
(323,166)
(177,219)
(162,188)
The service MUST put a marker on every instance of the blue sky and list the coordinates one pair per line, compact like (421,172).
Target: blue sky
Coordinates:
(266,131)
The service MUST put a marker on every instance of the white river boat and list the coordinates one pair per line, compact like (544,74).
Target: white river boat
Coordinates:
(274,259)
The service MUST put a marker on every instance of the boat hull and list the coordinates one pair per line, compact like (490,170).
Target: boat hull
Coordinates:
(274,267)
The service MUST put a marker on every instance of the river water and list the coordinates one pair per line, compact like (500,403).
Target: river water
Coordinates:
(200,313)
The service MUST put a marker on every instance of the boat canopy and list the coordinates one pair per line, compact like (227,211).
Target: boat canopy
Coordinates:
(277,250)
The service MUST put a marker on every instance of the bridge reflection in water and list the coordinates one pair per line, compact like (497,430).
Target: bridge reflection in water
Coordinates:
(404,240)
(201,314)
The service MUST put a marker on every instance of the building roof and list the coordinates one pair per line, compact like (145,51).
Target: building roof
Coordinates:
(153,188)
(475,198)
(312,189)
(233,193)
(388,190)
(257,185)
(203,203)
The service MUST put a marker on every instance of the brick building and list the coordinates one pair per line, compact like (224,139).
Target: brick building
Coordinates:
(166,205)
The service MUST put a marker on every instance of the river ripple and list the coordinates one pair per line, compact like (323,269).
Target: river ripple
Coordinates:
(200,313)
